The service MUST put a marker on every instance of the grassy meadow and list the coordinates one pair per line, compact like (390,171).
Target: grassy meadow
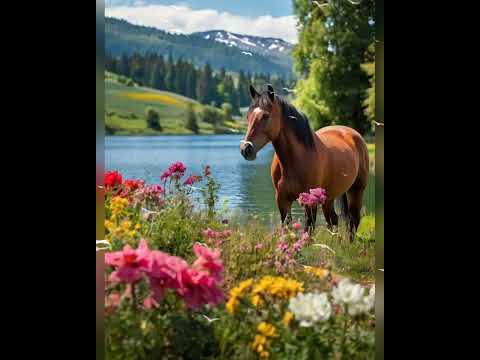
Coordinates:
(125,111)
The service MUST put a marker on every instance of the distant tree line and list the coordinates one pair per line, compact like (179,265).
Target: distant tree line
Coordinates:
(182,77)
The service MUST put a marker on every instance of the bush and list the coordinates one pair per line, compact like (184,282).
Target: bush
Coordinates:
(191,122)
(227,111)
(212,115)
(153,119)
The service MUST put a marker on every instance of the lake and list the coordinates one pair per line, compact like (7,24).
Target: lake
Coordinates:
(246,186)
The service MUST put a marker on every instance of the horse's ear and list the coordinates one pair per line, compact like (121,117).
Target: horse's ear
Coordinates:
(271,93)
(253,92)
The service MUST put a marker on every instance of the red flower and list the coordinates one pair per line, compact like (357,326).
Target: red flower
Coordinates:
(133,184)
(177,170)
(206,171)
(192,180)
(113,179)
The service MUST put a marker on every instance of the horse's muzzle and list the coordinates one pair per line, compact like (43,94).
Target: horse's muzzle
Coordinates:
(247,150)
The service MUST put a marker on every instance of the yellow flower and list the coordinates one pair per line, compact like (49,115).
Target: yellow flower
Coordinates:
(264,354)
(231,305)
(321,273)
(126,225)
(138,226)
(287,318)
(257,300)
(267,329)
(259,342)
(237,292)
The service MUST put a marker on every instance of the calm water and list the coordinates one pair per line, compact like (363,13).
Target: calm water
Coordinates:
(245,185)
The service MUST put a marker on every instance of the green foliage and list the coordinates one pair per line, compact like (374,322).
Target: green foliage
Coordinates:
(153,119)
(211,115)
(227,111)
(329,55)
(191,123)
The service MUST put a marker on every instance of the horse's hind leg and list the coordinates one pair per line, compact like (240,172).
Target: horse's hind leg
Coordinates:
(331,216)
(355,198)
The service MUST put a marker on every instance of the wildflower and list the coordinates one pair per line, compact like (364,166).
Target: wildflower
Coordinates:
(133,184)
(321,273)
(264,354)
(314,197)
(192,180)
(347,293)
(206,170)
(129,263)
(297,226)
(266,329)
(112,302)
(310,308)
(259,343)
(287,318)
(177,169)
(236,293)
(208,260)
(277,287)
(149,303)
(365,305)
(320,194)
(113,179)
(259,246)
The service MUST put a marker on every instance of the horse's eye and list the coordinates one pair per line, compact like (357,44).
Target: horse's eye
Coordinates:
(265,116)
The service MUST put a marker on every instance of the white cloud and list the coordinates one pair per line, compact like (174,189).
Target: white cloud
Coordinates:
(183,18)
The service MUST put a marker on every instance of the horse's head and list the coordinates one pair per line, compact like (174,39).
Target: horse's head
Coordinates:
(263,123)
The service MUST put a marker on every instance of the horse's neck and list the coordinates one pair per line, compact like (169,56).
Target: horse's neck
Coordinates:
(290,152)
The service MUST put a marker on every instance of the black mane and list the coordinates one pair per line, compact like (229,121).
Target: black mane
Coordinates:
(293,119)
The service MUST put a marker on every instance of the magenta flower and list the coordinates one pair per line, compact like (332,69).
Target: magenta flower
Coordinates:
(259,246)
(198,288)
(192,180)
(176,170)
(314,197)
(320,194)
(282,245)
(165,175)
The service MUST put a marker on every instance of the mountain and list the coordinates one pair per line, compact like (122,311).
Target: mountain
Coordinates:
(232,51)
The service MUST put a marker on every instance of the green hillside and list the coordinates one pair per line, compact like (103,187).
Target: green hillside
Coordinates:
(125,110)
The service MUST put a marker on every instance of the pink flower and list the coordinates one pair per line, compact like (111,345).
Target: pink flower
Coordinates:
(165,175)
(129,263)
(163,273)
(320,194)
(112,302)
(297,226)
(282,246)
(149,302)
(198,288)
(313,198)
(192,180)
(177,169)
(208,260)
(258,246)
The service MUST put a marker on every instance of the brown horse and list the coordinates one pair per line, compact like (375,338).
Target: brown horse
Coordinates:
(334,158)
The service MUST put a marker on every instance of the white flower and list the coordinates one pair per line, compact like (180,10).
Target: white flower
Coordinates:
(310,308)
(347,293)
(351,296)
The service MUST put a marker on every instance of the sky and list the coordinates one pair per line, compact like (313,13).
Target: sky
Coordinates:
(267,18)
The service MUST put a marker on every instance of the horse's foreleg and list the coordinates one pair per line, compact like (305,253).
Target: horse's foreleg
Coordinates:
(310,219)
(285,207)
